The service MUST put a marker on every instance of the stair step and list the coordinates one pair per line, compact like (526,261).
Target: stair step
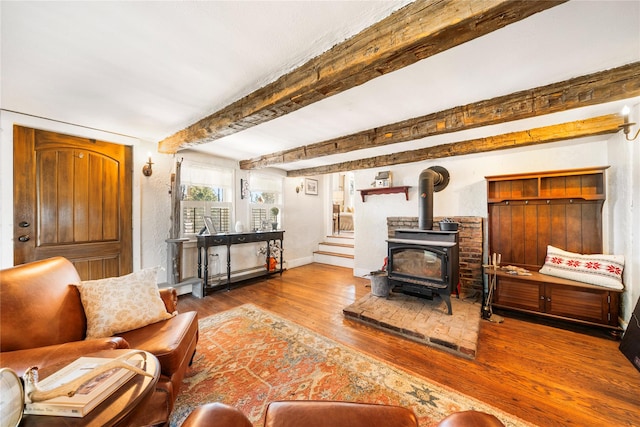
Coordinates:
(340,240)
(336,254)
(336,248)
(341,245)
(332,258)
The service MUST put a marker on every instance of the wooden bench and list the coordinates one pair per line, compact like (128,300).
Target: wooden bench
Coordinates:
(558,298)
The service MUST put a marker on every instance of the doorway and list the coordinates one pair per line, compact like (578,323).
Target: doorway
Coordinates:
(72,198)
(343,203)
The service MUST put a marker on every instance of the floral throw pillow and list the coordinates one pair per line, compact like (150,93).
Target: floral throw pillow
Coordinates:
(120,304)
(597,269)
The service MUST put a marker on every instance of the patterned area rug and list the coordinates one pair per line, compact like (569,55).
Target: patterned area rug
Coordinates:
(248,357)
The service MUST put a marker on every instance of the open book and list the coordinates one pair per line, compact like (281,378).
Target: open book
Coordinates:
(89,395)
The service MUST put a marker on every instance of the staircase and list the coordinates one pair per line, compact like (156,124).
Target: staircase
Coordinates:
(336,250)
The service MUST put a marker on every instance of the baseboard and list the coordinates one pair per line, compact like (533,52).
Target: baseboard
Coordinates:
(292,263)
(361,272)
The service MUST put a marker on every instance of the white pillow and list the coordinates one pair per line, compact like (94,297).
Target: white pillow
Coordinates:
(120,304)
(597,269)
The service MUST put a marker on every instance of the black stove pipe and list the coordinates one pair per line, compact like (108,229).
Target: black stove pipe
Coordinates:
(431,180)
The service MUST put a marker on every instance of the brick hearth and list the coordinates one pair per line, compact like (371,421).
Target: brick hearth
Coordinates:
(422,320)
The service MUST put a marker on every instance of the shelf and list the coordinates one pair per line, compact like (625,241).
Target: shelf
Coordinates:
(586,184)
(528,212)
(385,190)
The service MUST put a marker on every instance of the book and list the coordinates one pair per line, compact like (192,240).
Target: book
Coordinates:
(89,395)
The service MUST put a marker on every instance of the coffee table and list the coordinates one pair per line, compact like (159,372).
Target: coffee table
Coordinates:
(116,408)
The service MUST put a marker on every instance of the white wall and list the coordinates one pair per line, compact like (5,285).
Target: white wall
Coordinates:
(623,195)
(305,220)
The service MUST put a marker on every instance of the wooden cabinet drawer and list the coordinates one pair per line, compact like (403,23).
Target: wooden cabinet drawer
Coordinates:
(240,238)
(579,303)
(520,294)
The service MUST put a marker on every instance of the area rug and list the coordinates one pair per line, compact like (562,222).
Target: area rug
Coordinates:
(423,320)
(247,357)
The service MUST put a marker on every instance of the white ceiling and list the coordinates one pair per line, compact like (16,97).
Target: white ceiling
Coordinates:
(150,69)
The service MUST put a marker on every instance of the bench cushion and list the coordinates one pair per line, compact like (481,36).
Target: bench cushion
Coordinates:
(596,269)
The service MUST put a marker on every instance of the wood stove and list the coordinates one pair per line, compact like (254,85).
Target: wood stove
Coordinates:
(424,262)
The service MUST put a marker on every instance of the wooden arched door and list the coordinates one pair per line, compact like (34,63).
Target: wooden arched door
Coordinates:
(72,198)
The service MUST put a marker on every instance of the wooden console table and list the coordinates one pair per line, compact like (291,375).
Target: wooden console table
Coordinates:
(385,190)
(204,242)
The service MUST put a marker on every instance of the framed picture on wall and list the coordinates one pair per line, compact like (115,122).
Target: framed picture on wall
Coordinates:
(311,186)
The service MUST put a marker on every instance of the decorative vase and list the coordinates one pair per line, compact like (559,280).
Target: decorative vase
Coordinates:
(274,225)
(239,227)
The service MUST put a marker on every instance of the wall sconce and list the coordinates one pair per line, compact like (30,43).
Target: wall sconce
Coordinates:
(146,169)
(300,187)
(626,126)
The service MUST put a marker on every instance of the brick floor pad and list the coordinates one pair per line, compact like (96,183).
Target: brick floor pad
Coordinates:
(423,320)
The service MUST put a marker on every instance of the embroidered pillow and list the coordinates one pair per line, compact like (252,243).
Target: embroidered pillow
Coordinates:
(597,269)
(120,304)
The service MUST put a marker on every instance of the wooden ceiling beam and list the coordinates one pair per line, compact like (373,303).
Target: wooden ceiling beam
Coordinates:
(579,129)
(597,88)
(417,31)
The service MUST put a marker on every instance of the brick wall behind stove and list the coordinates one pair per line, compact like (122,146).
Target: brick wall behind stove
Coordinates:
(471,242)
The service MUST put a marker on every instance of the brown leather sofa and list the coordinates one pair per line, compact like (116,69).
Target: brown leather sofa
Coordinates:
(42,322)
(313,413)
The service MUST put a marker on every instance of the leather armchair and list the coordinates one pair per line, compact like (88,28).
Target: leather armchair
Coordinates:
(42,322)
(329,414)
(42,319)
(307,413)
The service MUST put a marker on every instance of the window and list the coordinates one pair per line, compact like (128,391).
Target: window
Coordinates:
(206,191)
(265,195)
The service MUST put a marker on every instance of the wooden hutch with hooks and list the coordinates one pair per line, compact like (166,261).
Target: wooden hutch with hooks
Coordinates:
(563,208)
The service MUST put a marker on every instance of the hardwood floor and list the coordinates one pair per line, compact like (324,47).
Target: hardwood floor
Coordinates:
(542,374)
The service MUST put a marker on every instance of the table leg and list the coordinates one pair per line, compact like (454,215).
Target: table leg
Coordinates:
(199,263)
(281,256)
(228,267)
(206,269)
(268,264)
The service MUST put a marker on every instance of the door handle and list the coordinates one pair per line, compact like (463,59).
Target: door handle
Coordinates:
(24,238)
